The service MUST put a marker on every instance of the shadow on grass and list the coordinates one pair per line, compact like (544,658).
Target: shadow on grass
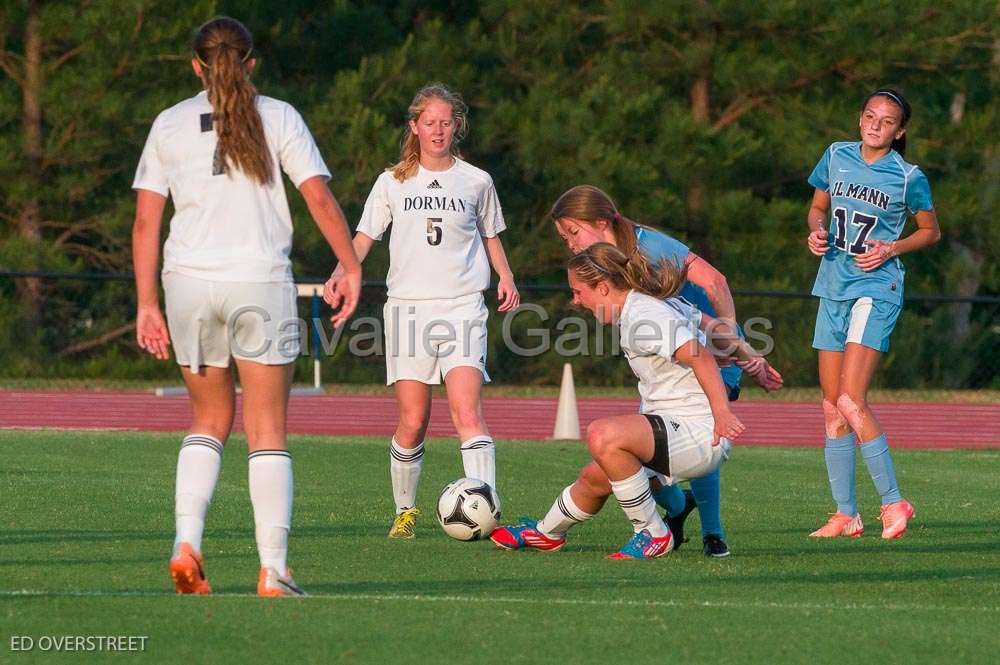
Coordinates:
(28,536)
(27,564)
(574,587)
(870,547)
(873,527)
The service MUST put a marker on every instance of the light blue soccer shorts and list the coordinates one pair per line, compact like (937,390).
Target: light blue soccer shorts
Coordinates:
(864,321)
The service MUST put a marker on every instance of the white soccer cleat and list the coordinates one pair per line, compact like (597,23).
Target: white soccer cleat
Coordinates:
(270,583)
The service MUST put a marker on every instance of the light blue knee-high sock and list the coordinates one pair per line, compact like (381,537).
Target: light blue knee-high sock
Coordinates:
(708,493)
(840,462)
(879,462)
(670,498)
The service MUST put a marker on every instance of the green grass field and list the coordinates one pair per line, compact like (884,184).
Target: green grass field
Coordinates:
(87,527)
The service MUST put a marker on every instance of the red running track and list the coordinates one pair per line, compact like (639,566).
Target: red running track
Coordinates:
(909,425)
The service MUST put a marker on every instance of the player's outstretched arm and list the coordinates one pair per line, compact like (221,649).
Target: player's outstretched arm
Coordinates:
(332,224)
(728,347)
(819,212)
(150,326)
(702,273)
(506,289)
(362,245)
(699,359)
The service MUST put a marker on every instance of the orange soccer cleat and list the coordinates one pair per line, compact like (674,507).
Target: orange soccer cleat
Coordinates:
(840,524)
(894,518)
(188,572)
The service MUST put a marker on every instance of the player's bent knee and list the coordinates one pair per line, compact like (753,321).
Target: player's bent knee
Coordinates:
(833,420)
(468,419)
(600,439)
(411,428)
(594,481)
(851,411)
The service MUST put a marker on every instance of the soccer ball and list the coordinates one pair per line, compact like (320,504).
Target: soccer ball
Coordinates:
(468,509)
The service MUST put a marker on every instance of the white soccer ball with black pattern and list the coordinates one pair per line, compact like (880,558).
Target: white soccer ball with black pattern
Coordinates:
(468,509)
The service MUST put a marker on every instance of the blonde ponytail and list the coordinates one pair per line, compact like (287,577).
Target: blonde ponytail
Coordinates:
(604,262)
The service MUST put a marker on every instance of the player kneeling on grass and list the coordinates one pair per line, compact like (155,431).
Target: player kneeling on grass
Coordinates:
(685,427)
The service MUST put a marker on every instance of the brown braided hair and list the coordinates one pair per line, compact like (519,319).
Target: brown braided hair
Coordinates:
(223,46)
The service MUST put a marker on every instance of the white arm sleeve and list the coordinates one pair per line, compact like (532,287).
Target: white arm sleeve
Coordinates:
(377,215)
(298,153)
(490,221)
(151,174)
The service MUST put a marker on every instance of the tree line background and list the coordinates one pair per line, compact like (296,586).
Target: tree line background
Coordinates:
(700,118)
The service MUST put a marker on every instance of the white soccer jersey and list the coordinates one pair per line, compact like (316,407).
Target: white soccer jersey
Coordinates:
(226,226)
(438,217)
(651,331)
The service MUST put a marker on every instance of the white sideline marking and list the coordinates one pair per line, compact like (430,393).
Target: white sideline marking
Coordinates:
(719,604)
(75,428)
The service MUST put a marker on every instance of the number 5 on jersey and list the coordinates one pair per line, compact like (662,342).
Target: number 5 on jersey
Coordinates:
(434,232)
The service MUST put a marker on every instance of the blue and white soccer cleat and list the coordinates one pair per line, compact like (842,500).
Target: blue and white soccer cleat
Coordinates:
(643,546)
(526,535)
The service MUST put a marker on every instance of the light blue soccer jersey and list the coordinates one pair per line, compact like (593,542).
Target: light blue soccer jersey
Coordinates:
(656,246)
(868,202)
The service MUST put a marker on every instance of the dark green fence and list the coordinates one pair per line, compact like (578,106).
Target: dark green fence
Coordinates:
(82,330)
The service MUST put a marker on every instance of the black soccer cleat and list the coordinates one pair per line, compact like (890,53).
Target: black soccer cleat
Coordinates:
(715,546)
(676,524)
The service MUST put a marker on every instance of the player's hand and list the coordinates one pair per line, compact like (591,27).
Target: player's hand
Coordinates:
(727,425)
(507,295)
(878,253)
(151,332)
(329,288)
(346,292)
(818,242)
(761,372)
(722,359)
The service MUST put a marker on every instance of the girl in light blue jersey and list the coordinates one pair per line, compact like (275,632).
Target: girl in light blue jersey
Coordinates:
(585,215)
(865,189)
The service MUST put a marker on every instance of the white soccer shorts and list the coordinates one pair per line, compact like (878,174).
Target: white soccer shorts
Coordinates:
(210,321)
(689,449)
(425,339)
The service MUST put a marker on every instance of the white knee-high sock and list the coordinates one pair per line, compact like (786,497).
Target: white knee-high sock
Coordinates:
(562,516)
(198,464)
(270,474)
(636,500)
(405,465)
(479,459)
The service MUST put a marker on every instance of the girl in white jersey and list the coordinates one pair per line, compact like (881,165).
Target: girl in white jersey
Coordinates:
(685,427)
(228,284)
(445,220)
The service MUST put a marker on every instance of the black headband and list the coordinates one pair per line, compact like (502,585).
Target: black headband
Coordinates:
(894,97)
(891,95)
